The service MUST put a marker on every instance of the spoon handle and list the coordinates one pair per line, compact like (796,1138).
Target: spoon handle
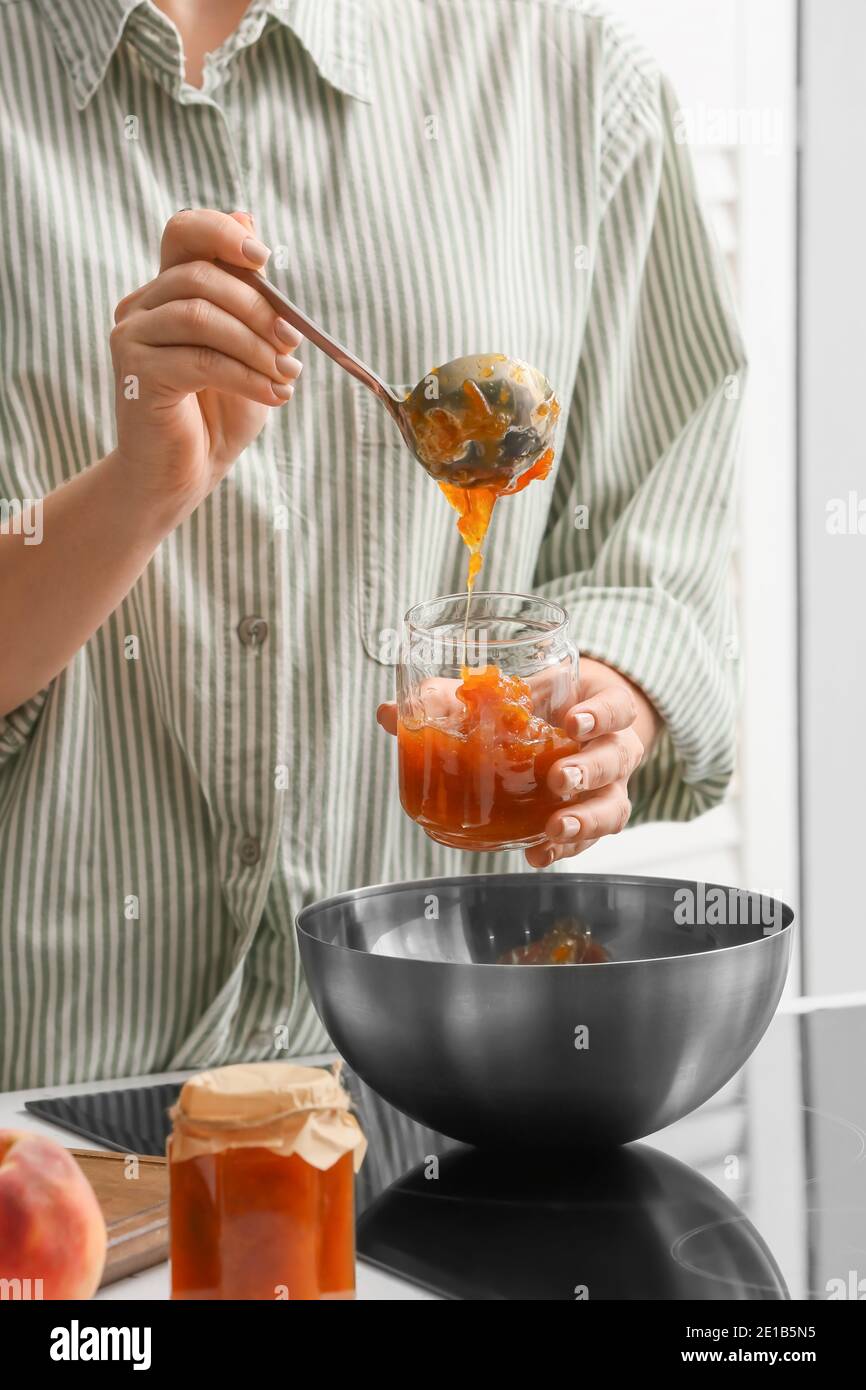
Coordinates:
(298,319)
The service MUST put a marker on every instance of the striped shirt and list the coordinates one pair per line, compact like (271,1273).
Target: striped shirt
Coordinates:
(437,177)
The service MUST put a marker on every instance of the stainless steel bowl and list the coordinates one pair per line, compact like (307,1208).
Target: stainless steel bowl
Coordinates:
(405,980)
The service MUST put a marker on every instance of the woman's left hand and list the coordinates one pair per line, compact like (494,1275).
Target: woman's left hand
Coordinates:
(615,724)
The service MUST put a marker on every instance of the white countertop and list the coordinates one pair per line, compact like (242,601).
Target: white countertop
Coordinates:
(154,1283)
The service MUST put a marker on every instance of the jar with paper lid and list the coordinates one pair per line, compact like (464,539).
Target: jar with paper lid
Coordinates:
(262,1158)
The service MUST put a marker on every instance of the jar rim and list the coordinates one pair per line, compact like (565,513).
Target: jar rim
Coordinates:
(557,623)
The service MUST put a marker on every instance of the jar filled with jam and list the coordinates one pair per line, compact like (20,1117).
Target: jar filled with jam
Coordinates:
(479,705)
(262,1160)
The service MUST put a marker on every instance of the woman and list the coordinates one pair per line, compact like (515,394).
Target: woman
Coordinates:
(193,653)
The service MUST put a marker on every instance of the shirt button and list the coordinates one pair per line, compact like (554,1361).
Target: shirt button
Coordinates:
(251,850)
(252,631)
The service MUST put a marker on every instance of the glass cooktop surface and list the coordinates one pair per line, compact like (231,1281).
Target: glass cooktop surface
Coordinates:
(759,1194)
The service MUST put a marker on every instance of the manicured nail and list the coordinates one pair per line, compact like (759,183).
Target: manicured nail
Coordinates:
(569,828)
(585,723)
(283,389)
(571,779)
(289,366)
(255,250)
(288,333)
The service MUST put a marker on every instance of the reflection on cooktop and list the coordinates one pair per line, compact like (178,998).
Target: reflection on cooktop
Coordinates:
(483,1228)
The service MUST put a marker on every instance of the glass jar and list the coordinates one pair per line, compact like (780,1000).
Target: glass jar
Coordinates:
(478,717)
(262,1160)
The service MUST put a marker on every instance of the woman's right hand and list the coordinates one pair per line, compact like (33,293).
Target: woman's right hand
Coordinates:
(199,359)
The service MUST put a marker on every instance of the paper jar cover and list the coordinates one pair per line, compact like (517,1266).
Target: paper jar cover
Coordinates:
(272,1105)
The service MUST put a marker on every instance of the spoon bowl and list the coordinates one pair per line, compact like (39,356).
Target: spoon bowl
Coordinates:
(480,420)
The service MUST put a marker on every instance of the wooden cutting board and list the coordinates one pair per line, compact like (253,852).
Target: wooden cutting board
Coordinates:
(135,1209)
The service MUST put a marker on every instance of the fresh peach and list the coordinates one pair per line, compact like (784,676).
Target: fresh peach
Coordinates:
(52,1232)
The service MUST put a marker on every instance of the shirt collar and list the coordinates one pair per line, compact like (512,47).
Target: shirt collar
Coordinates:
(86,34)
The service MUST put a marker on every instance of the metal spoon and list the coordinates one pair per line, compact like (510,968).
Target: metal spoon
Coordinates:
(478,420)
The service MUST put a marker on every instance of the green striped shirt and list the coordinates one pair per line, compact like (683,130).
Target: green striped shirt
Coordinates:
(436,177)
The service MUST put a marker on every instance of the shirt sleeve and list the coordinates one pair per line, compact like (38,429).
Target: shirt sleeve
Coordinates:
(638,544)
(17,726)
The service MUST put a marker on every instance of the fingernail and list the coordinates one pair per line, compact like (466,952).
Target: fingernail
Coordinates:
(571,779)
(569,828)
(585,723)
(548,859)
(255,250)
(283,389)
(284,364)
(288,333)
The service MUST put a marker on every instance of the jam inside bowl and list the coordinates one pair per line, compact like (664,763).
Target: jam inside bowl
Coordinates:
(428,991)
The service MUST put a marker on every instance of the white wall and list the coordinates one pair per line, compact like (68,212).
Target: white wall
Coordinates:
(833,464)
(733,65)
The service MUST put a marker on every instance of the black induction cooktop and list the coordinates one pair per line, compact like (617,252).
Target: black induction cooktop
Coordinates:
(758,1195)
